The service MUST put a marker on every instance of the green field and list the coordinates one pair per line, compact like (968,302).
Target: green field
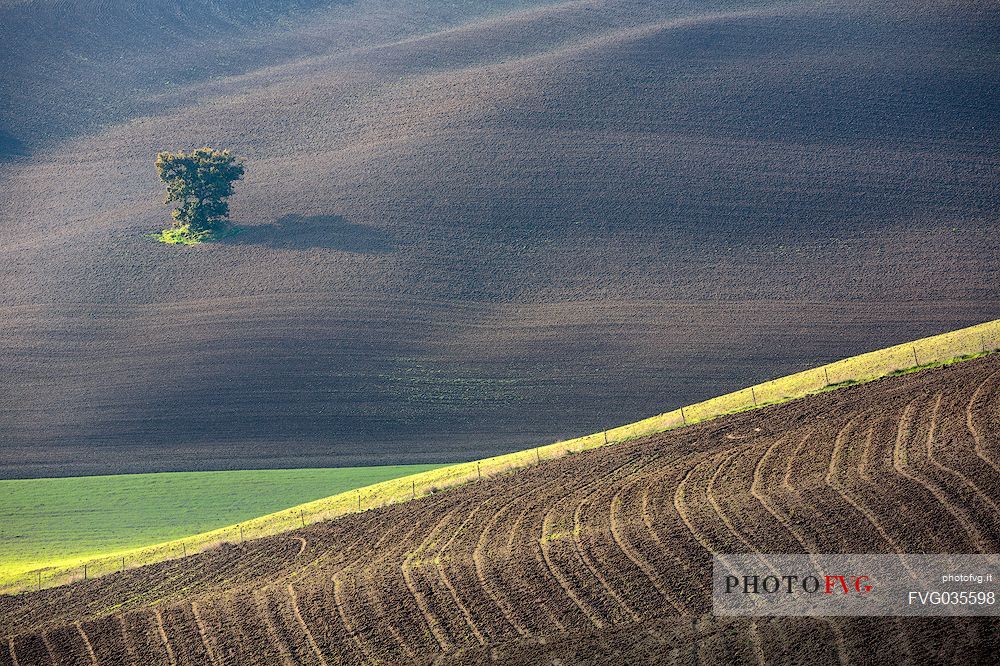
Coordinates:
(50,522)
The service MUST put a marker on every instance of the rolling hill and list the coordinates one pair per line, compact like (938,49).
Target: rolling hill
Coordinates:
(601,557)
(471,226)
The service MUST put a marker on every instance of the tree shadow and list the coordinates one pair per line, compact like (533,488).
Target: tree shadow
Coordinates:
(300,232)
(11,147)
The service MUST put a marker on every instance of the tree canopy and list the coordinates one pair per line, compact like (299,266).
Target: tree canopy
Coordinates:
(200,183)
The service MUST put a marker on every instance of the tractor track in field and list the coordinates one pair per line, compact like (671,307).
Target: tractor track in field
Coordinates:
(87,644)
(171,657)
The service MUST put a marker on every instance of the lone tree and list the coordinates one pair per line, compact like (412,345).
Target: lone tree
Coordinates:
(200,182)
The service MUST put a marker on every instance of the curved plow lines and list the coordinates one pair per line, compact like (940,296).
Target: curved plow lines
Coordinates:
(13,652)
(341,601)
(726,462)
(184,629)
(850,476)
(955,450)
(296,611)
(680,504)
(384,615)
(839,642)
(350,630)
(334,579)
(619,532)
(69,645)
(436,628)
(698,510)
(171,657)
(534,573)
(86,643)
(323,561)
(757,644)
(272,632)
(203,633)
(31,649)
(579,582)
(588,562)
(103,637)
(699,507)
(393,608)
(732,495)
(670,542)
(552,539)
(490,579)
(545,547)
(427,576)
(901,463)
(965,493)
(484,570)
(313,593)
(447,581)
(841,480)
(979,434)
(826,513)
(937,459)
(766,476)
(49,650)
(234,630)
(823,519)
(126,640)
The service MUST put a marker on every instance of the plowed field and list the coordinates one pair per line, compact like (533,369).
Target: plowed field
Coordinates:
(472,226)
(602,557)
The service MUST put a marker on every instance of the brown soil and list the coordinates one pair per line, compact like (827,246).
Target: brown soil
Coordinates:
(471,226)
(601,557)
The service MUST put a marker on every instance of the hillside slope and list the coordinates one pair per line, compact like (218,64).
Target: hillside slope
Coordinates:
(602,557)
(470,227)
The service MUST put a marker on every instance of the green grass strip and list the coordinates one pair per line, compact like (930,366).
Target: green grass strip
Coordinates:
(63,522)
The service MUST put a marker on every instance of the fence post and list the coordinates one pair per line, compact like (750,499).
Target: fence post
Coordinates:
(683,418)
(479,470)
(605,438)
(826,373)
(538,456)
(915,361)
(753,394)
(39,581)
(184,549)
(242,540)
(85,572)
(303,517)
(123,564)
(359,500)
(413,489)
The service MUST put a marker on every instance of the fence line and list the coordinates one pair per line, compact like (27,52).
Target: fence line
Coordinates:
(967,342)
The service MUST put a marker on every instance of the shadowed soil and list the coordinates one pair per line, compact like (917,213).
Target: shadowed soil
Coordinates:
(470,227)
(600,557)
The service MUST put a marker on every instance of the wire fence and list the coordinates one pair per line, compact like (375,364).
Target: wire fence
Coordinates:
(963,343)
